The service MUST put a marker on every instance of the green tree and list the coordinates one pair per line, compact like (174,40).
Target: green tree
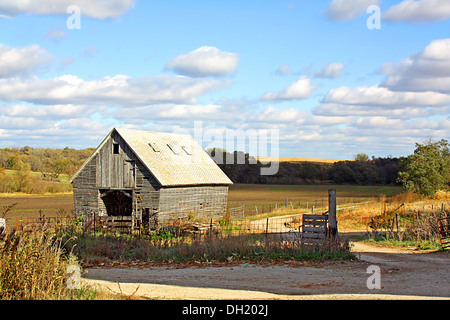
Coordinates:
(59,166)
(361,157)
(427,170)
(22,176)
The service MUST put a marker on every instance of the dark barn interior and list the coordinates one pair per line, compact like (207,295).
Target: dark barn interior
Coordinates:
(117,202)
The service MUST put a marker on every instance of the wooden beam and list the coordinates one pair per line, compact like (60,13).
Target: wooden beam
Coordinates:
(332,221)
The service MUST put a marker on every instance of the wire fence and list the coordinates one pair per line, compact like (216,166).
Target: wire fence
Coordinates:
(320,204)
(286,227)
(419,222)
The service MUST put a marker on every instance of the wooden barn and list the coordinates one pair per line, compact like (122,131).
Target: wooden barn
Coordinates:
(151,177)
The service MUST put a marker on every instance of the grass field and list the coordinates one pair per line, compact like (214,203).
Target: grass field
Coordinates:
(267,197)
(263,198)
(285,159)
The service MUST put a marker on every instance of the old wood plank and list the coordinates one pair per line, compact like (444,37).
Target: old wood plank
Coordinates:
(313,229)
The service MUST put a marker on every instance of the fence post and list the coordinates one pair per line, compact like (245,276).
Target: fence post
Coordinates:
(210,228)
(332,222)
(397,223)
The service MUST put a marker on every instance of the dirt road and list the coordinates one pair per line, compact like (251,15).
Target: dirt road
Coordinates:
(404,275)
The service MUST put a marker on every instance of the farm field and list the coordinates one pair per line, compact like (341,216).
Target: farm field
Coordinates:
(268,197)
(263,198)
(30,207)
(285,159)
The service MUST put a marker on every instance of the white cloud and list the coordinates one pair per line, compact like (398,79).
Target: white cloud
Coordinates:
(272,114)
(418,11)
(323,121)
(97,9)
(411,129)
(428,70)
(301,89)
(55,35)
(22,62)
(379,96)
(204,61)
(117,90)
(285,69)
(412,103)
(331,70)
(25,123)
(333,110)
(48,111)
(379,122)
(343,10)
(177,112)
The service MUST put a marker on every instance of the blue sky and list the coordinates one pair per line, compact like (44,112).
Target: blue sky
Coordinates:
(312,70)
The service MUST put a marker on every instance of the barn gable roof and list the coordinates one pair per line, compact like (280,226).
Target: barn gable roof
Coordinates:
(173,159)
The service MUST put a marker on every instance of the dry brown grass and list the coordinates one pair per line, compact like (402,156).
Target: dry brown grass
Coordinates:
(381,212)
(286,159)
(33,266)
(442,195)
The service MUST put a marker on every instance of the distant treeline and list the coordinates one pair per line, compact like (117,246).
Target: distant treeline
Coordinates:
(375,171)
(238,166)
(51,162)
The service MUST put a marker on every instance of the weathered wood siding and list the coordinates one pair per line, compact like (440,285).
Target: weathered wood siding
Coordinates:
(85,191)
(203,202)
(108,170)
(116,170)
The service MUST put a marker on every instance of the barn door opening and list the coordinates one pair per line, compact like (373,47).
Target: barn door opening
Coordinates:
(117,202)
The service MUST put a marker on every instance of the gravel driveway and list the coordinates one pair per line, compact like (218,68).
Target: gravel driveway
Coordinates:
(404,274)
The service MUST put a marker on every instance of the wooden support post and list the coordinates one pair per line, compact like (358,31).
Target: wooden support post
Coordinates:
(332,221)
(210,228)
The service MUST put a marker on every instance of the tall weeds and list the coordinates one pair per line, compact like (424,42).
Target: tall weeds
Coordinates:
(94,249)
(405,219)
(33,266)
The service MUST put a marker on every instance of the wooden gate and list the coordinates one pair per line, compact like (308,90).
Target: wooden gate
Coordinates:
(444,232)
(314,228)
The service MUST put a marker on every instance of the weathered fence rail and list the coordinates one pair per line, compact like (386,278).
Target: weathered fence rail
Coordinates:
(122,224)
(314,228)
(237,212)
(444,232)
